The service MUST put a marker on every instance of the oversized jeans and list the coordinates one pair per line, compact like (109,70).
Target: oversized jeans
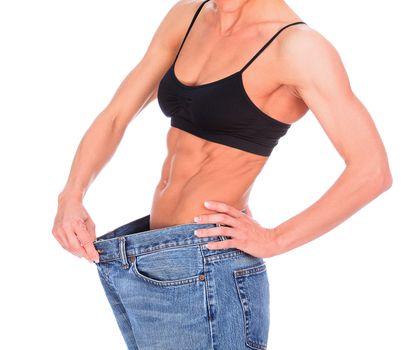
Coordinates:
(168,291)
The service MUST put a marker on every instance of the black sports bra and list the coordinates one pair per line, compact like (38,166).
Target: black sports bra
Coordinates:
(220,111)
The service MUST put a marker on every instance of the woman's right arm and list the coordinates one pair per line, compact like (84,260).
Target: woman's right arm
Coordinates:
(73,227)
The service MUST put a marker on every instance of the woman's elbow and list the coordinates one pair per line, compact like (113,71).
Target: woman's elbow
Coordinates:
(382,177)
(387,179)
(374,175)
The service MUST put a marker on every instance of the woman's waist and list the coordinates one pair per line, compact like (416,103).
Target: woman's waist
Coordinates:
(174,205)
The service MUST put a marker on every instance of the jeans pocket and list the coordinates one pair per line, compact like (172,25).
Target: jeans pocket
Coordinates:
(253,289)
(170,267)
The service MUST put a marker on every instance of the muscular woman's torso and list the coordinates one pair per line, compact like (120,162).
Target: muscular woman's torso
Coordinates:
(196,169)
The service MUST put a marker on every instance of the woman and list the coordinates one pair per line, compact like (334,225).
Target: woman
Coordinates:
(191,275)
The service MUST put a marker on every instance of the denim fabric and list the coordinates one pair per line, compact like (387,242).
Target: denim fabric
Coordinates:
(168,291)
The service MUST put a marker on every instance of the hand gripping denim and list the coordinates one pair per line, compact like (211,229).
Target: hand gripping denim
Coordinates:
(168,291)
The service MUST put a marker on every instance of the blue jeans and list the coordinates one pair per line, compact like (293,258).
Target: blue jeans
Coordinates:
(168,291)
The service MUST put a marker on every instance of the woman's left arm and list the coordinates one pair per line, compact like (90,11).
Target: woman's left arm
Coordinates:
(318,77)
(322,82)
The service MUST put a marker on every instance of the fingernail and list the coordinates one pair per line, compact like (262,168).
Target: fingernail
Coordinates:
(196,219)
(196,233)
(207,204)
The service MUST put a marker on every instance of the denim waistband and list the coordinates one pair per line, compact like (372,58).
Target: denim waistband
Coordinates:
(135,238)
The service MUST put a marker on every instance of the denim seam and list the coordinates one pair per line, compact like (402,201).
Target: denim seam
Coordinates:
(104,274)
(223,256)
(164,246)
(207,295)
(206,282)
(250,270)
(243,309)
(239,275)
(137,252)
(112,286)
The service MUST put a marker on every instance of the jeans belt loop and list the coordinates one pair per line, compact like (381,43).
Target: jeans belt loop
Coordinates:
(122,252)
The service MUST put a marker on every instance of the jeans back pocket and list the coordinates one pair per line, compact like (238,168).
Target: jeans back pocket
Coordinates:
(253,290)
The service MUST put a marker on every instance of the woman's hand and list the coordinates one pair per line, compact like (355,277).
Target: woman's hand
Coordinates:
(75,230)
(245,232)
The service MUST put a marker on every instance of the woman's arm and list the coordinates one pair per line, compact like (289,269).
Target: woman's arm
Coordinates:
(100,141)
(320,79)
(135,92)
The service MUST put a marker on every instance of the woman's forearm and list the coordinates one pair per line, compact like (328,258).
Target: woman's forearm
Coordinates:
(352,190)
(96,148)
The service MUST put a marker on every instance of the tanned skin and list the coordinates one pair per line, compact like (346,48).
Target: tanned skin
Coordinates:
(299,71)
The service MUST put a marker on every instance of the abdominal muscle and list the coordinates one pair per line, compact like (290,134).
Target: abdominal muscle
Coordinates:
(196,170)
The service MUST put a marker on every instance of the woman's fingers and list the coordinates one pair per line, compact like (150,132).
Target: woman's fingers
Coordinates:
(72,242)
(86,239)
(91,227)
(224,208)
(215,231)
(217,218)
(75,230)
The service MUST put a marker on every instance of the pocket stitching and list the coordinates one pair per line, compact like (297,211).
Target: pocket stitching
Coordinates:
(170,283)
(250,270)
(221,257)
(238,275)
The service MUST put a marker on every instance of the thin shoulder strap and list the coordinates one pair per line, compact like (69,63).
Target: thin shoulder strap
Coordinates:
(267,44)
(190,27)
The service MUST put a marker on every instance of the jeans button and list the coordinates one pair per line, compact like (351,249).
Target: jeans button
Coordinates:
(202,277)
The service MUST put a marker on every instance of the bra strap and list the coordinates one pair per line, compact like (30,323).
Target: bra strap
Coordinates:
(190,27)
(267,44)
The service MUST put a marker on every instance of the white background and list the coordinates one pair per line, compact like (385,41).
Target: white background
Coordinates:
(60,63)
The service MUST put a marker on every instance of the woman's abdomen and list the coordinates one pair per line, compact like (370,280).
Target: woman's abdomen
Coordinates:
(196,170)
